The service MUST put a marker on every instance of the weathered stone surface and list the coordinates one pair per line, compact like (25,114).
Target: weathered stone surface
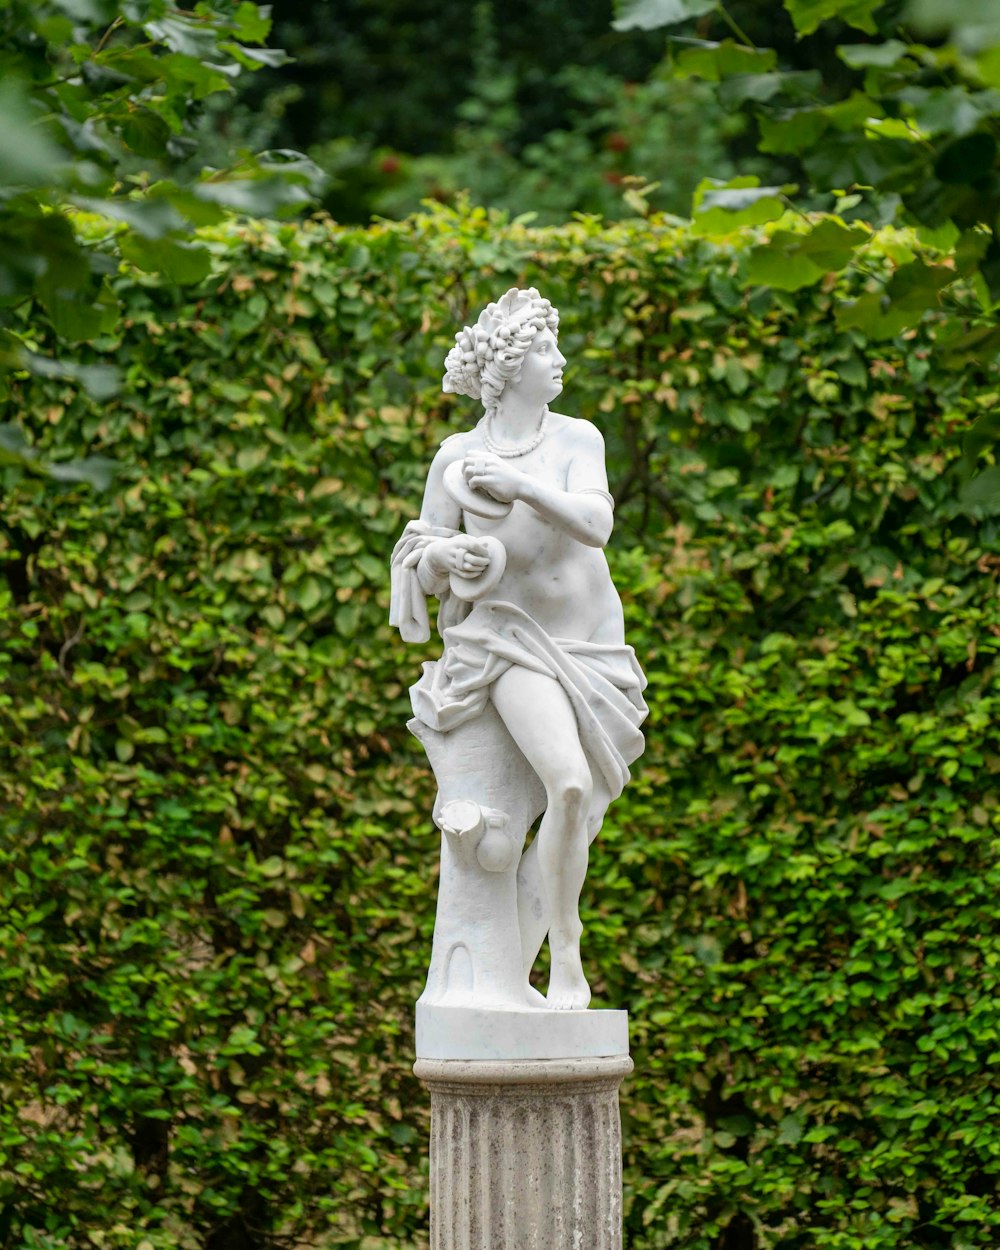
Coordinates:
(525,1155)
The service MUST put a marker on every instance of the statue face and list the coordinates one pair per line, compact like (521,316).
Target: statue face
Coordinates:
(541,371)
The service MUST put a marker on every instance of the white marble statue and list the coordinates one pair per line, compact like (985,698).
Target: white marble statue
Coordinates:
(535,705)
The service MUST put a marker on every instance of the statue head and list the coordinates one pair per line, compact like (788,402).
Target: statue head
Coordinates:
(489,354)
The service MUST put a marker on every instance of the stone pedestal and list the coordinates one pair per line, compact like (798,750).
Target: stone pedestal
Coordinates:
(525,1154)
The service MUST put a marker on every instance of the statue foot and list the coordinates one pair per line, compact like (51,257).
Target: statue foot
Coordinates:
(535,999)
(568,987)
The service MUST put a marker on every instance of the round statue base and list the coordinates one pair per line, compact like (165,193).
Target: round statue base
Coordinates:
(525,1154)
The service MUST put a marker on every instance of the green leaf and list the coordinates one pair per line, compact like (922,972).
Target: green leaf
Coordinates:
(983,435)
(252,22)
(791,260)
(14,447)
(177,260)
(777,265)
(980,344)
(874,315)
(974,25)
(185,34)
(257,197)
(791,1128)
(715,61)
(916,286)
(721,207)
(756,87)
(99,381)
(791,130)
(27,155)
(193,207)
(146,133)
(253,58)
(879,55)
(981,494)
(651,14)
(75,313)
(808,14)
(152,218)
(95,471)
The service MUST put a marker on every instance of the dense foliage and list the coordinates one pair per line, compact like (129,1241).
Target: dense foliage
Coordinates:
(99,104)
(898,124)
(217,863)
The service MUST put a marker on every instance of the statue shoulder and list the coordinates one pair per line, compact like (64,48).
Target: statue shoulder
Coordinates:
(578,432)
(455,446)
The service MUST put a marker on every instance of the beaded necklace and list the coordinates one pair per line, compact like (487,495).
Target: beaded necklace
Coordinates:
(519,449)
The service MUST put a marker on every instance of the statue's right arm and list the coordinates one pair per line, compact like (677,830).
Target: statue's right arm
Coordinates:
(441,511)
(438,508)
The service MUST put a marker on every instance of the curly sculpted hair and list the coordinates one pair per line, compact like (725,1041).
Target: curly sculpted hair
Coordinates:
(489,354)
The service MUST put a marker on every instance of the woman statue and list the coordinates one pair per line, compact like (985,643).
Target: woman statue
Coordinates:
(515,517)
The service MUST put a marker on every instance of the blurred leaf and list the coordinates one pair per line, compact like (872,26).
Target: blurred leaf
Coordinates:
(146,133)
(791,130)
(99,381)
(984,435)
(790,260)
(974,25)
(881,55)
(152,218)
(720,208)
(714,61)
(96,471)
(176,259)
(981,494)
(808,14)
(650,14)
(28,157)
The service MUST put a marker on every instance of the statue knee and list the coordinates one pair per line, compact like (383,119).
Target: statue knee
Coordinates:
(573,793)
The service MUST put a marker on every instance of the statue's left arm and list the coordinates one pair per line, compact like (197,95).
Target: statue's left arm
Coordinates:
(584,509)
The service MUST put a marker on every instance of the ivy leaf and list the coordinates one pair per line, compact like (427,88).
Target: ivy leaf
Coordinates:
(651,14)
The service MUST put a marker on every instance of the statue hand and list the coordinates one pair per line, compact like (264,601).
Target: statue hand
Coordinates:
(466,556)
(488,472)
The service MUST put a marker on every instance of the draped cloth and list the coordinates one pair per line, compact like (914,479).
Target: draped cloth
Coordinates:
(602,681)
(408,597)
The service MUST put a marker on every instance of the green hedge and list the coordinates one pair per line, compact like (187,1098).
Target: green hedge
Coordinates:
(217,867)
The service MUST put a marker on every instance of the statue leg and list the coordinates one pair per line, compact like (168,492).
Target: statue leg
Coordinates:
(532,905)
(541,720)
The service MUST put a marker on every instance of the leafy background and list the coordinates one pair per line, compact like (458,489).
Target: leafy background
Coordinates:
(218,865)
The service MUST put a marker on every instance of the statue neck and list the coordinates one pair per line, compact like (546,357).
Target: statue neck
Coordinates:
(514,419)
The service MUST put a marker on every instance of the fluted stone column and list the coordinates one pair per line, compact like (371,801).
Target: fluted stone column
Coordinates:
(525,1154)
